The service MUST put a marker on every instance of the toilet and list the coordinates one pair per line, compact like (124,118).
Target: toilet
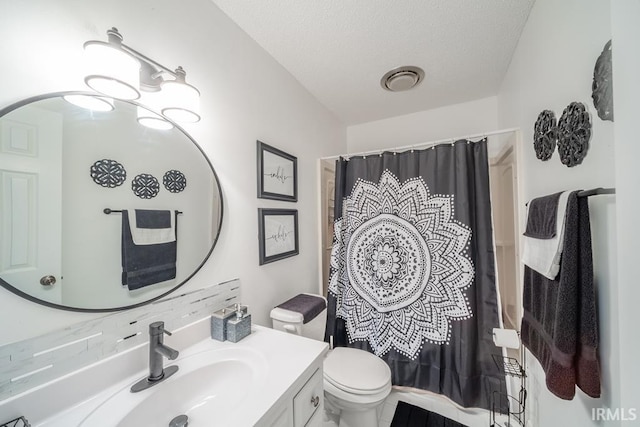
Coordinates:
(356,382)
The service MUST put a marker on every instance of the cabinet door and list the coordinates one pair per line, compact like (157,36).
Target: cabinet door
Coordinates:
(316,419)
(309,400)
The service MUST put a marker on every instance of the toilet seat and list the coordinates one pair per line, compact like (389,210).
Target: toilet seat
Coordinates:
(357,372)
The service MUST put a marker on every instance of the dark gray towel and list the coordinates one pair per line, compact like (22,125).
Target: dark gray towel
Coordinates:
(541,217)
(153,219)
(307,305)
(144,265)
(559,325)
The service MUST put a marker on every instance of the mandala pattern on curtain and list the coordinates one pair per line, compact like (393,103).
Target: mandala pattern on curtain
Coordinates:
(400,265)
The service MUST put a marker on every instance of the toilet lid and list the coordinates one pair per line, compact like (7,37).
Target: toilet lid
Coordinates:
(356,371)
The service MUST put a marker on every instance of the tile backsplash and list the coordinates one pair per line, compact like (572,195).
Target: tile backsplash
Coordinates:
(29,363)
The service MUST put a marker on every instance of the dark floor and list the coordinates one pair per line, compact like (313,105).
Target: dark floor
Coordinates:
(407,415)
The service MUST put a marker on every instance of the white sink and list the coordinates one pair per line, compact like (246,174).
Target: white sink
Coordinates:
(249,383)
(207,384)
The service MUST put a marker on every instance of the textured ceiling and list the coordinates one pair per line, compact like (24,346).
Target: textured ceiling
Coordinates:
(339,50)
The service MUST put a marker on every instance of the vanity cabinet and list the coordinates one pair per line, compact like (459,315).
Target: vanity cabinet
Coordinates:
(302,405)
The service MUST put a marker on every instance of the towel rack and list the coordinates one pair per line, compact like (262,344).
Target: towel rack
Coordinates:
(596,191)
(110,211)
(592,192)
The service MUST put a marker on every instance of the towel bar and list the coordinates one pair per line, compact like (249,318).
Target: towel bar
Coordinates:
(592,192)
(110,211)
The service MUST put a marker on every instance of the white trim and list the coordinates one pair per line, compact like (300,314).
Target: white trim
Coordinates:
(320,235)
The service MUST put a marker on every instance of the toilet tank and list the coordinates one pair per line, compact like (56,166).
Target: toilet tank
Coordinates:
(292,322)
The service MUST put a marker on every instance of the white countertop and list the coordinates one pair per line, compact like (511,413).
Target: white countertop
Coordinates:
(68,400)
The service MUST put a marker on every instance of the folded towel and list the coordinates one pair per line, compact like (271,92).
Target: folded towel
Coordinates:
(559,325)
(147,263)
(541,217)
(543,255)
(307,305)
(149,227)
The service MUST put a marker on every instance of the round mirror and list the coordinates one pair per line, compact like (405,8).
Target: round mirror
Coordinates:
(104,205)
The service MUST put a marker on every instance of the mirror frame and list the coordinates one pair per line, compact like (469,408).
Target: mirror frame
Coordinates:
(16,291)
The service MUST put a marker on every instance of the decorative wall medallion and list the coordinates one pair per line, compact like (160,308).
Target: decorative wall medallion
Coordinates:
(174,181)
(602,87)
(574,132)
(108,173)
(145,186)
(545,135)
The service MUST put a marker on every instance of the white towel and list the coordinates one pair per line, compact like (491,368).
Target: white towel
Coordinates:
(543,255)
(506,338)
(152,236)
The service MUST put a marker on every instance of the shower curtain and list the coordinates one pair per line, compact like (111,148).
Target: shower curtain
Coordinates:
(412,275)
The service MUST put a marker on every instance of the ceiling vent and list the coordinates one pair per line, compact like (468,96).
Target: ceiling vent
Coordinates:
(402,78)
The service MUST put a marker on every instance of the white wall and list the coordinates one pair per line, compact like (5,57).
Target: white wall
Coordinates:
(246,96)
(625,15)
(463,119)
(553,66)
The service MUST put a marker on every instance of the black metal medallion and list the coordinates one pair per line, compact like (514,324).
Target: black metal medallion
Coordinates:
(574,132)
(108,173)
(602,86)
(174,181)
(545,135)
(145,186)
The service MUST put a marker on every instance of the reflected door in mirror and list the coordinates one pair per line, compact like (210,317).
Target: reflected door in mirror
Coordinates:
(30,194)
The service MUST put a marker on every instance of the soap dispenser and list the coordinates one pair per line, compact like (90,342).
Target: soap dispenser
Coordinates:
(239,326)
(219,321)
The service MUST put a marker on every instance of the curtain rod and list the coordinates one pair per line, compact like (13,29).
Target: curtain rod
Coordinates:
(424,144)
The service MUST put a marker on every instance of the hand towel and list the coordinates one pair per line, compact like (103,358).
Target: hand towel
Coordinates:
(543,254)
(148,263)
(541,217)
(151,227)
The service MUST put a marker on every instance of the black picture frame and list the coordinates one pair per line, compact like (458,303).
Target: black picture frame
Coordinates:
(277,234)
(277,174)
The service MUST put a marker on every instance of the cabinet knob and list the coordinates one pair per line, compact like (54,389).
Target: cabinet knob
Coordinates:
(48,280)
(315,401)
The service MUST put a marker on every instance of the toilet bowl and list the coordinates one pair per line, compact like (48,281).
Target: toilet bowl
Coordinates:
(356,382)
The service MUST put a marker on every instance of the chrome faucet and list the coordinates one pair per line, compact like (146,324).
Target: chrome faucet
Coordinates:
(157,350)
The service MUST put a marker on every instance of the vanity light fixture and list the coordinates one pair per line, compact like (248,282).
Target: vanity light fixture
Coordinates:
(152,120)
(122,72)
(93,103)
(149,115)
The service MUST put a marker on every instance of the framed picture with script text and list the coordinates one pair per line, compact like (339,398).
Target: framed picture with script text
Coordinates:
(277,174)
(277,234)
